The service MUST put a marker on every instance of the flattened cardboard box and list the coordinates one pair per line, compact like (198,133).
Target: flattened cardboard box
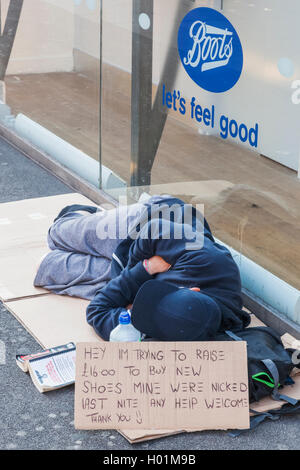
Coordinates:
(23,240)
(186,385)
(29,220)
(54,319)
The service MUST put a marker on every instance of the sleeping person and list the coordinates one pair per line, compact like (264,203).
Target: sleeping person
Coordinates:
(157,257)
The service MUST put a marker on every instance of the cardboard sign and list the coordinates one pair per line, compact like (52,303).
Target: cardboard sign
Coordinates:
(168,385)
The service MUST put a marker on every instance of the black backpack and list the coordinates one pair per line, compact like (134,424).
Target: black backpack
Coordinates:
(269,363)
(269,368)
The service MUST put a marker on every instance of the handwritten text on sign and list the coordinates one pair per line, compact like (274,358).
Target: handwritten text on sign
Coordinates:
(153,385)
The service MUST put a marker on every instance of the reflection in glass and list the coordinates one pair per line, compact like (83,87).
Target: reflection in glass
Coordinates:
(244,168)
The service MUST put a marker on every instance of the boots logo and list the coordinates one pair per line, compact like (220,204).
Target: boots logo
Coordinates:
(210,50)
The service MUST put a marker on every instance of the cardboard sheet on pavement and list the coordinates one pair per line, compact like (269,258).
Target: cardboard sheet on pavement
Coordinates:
(54,319)
(23,240)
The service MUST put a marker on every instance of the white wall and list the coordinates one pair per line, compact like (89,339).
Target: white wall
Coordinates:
(50,30)
(45,37)
(117,29)
(87,27)
(269,31)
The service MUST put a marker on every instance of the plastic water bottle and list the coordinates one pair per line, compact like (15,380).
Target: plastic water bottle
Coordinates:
(125,331)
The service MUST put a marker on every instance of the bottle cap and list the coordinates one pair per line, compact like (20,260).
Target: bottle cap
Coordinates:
(124,318)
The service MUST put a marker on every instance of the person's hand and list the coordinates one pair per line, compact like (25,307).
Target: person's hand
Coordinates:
(157,264)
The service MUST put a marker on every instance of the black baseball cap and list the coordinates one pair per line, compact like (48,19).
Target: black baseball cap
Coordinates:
(169,313)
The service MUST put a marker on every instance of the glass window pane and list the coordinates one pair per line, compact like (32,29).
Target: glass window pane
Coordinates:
(225,136)
(53,76)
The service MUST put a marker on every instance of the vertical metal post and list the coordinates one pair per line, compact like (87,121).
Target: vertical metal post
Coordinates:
(100,95)
(141,92)
(147,121)
(8,34)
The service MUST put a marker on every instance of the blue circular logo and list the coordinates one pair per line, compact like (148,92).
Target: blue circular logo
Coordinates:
(210,50)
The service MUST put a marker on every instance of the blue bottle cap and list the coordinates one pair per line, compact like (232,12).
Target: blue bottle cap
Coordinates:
(124,318)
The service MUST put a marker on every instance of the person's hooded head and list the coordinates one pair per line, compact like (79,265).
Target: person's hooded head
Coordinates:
(169,313)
